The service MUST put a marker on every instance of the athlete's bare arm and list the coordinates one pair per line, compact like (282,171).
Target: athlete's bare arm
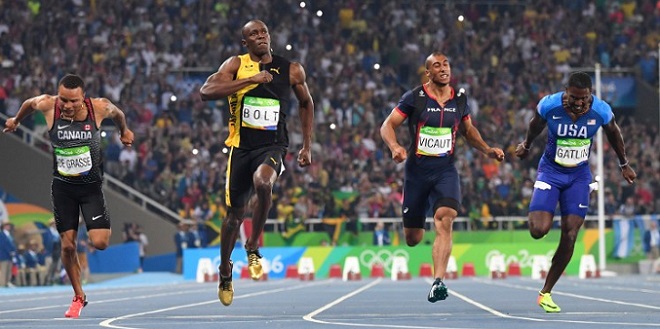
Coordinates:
(613,133)
(473,137)
(222,84)
(388,133)
(103,108)
(43,103)
(306,109)
(536,126)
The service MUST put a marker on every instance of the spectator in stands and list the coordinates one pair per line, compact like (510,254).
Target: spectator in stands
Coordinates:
(201,215)
(20,277)
(144,243)
(651,241)
(4,214)
(32,263)
(7,252)
(112,153)
(181,242)
(381,235)
(53,253)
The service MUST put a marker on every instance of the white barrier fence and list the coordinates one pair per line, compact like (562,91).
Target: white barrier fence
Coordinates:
(460,223)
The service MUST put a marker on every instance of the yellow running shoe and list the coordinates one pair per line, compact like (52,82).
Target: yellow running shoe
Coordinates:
(545,301)
(254,265)
(226,288)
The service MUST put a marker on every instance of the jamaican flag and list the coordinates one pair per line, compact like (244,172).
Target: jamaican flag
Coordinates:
(292,225)
(341,218)
(214,225)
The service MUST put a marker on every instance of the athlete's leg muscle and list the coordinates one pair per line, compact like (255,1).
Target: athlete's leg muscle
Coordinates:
(230,230)
(570,226)
(100,238)
(70,260)
(413,235)
(443,220)
(540,223)
(263,179)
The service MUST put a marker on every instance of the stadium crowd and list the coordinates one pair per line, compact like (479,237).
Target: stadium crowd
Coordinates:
(150,58)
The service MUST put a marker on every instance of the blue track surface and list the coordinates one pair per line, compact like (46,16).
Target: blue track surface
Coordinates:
(165,301)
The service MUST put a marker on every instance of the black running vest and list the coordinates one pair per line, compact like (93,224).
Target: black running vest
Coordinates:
(76,146)
(257,113)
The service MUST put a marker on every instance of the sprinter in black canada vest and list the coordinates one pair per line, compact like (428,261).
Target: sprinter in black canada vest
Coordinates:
(73,122)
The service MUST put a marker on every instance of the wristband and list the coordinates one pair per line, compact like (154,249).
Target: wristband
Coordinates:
(624,164)
(525,148)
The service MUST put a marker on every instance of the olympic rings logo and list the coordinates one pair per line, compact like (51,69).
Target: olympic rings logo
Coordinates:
(384,257)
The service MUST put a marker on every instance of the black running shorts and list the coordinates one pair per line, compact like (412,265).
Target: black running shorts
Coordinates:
(70,199)
(241,167)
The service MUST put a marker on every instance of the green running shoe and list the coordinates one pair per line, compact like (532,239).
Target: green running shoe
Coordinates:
(545,301)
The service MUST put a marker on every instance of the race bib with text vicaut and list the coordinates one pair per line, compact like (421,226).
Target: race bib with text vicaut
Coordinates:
(260,113)
(434,141)
(571,152)
(73,161)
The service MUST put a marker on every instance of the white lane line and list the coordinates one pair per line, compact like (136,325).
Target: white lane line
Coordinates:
(502,315)
(611,301)
(595,284)
(92,295)
(108,322)
(310,317)
(112,300)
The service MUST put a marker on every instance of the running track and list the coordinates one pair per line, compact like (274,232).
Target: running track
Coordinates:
(165,301)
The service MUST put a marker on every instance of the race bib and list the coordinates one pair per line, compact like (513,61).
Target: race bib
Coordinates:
(572,152)
(260,113)
(434,141)
(74,161)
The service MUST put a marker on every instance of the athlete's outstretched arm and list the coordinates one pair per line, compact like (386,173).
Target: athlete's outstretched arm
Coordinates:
(43,103)
(298,78)
(613,133)
(536,126)
(475,140)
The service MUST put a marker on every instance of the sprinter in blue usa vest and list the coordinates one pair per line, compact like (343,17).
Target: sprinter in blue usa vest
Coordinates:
(435,113)
(573,118)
